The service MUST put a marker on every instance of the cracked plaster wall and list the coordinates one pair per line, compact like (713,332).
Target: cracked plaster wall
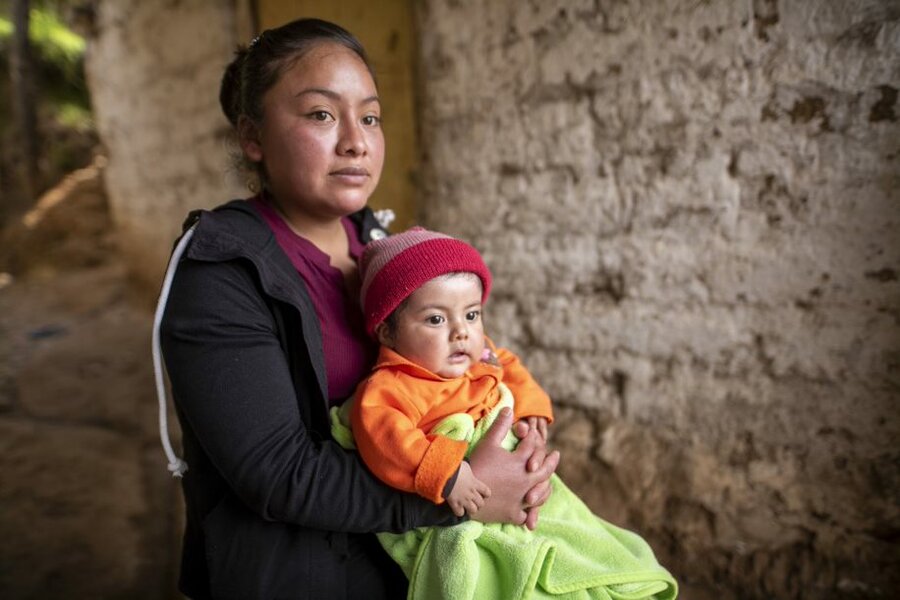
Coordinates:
(691,211)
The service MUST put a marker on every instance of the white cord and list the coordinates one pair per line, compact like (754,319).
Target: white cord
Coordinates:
(177,466)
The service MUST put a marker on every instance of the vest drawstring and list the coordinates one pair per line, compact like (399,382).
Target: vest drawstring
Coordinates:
(177,466)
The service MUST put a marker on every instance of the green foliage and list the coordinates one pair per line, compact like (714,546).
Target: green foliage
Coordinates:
(62,102)
(58,58)
(74,116)
(55,42)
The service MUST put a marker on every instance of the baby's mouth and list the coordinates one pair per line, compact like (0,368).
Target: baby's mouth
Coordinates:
(458,356)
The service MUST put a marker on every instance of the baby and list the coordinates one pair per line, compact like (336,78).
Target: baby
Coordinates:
(422,296)
(436,387)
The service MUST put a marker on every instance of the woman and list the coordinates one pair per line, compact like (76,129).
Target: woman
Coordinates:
(262,334)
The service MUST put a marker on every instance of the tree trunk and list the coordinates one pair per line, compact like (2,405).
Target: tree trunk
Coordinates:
(22,78)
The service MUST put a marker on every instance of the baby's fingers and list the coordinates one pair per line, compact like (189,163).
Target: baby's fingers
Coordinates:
(521,428)
(483,490)
(474,504)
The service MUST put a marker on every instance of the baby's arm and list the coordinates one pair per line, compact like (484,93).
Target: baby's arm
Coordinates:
(468,493)
(384,419)
(531,399)
(533,410)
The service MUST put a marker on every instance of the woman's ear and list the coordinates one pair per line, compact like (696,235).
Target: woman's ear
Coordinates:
(383,334)
(248,138)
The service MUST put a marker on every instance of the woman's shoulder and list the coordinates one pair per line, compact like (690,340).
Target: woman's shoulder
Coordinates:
(231,229)
(234,216)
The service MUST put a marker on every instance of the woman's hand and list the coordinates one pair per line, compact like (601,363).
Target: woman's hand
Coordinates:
(516,487)
(539,493)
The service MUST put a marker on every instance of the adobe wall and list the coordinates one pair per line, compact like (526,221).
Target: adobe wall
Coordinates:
(154,68)
(691,211)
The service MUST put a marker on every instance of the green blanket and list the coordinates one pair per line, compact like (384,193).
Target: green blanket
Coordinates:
(572,553)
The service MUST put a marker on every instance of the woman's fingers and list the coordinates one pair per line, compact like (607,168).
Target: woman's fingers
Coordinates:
(548,467)
(538,494)
(537,458)
(498,431)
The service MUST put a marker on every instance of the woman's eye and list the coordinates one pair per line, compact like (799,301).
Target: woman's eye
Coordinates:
(320,115)
(371,120)
(472,315)
(435,320)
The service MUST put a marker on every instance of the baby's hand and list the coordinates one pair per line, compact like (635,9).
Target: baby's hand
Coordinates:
(468,493)
(539,424)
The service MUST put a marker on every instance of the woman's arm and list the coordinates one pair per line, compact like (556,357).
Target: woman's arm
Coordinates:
(231,382)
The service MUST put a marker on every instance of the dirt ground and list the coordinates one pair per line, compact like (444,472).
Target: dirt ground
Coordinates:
(88,507)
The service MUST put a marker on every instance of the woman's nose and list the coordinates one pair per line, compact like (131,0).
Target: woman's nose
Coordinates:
(352,141)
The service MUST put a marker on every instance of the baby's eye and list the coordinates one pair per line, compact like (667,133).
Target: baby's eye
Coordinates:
(473,315)
(435,320)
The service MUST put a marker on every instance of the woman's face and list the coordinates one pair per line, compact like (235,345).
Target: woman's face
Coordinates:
(320,139)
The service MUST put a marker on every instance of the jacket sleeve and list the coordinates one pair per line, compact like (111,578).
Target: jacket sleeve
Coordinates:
(232,384)
(531,399)
(385,430)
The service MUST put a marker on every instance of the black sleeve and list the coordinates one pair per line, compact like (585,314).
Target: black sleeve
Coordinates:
(231,382)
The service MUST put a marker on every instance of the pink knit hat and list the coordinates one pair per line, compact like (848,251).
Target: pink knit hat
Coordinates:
(394,267)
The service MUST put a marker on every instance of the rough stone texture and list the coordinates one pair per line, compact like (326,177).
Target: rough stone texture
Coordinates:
(154,67)
(691,210)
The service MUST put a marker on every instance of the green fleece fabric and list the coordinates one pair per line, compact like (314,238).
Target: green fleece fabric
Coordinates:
(573,554)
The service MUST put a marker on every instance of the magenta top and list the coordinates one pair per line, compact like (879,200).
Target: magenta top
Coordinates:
(349,352)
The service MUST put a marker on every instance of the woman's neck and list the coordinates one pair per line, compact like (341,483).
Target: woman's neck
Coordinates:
(320,231)
(328,235)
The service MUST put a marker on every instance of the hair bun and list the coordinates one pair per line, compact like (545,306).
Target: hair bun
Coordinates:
(230,89)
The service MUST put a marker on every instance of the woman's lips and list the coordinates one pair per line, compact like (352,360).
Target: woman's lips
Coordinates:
(351,174)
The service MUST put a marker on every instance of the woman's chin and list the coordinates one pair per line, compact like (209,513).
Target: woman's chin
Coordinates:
(350,201)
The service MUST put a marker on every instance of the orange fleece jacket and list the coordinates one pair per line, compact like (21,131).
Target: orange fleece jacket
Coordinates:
(400,403)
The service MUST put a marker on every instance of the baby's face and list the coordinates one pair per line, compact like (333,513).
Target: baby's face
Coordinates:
(440,328)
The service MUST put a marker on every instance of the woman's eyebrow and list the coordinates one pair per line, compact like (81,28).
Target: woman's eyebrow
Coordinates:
(334,95)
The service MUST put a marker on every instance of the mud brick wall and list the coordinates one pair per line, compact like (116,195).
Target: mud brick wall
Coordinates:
(692,212)
(154,68)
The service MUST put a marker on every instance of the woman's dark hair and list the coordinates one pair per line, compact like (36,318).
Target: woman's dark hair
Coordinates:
(257,67)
